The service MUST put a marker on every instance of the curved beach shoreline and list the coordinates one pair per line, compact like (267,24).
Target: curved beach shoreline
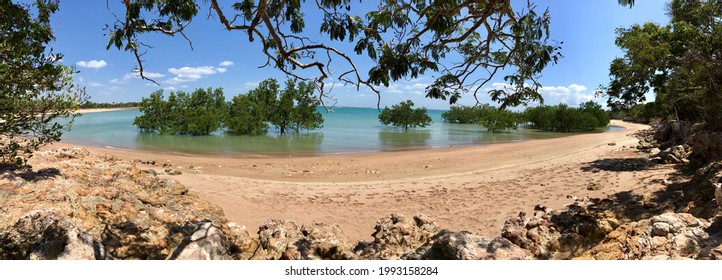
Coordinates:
(467,188)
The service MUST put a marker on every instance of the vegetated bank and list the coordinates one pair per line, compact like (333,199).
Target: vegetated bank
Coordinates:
(560,118)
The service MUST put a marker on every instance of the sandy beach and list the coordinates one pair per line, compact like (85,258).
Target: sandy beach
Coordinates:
(96,110)
(471,188)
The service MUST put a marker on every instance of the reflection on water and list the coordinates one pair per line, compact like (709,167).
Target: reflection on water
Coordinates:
(307,143)
(396,139)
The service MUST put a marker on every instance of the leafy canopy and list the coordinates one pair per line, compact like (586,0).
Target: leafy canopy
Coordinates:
(465,42)
(563,118)
(402,115)
(37,96)
(488,116)
(205,110)
(199,113)
(681,63)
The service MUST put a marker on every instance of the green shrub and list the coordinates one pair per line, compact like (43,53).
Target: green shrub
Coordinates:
(402,115)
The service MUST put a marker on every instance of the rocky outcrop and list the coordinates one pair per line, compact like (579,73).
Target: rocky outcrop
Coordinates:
(207,242)
(46,235)
(447,245)
(707,144)
(395,235)
(666,236)
(549,234)
(125,213)
(284,240)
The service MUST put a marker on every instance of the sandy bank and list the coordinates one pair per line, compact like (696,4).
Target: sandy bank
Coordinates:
(469,188)
(96,110)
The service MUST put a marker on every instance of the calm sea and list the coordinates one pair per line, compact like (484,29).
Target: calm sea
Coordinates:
(345,130)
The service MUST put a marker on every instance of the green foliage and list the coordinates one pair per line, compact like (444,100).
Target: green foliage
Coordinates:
(199,113)
(466,42)
(402,115)
(496,120)
(563,118)
(306,115)
(490,117)
(37,96)
(246,116)
(296,108)
(461,114)
(205,111)
(282,114)
(680,62)
(156,112)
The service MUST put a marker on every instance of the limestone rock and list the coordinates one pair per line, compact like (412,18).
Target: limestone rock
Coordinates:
(464,245)
(280,239)
(665,236)
(45,235)
(654,152)
(549,234)
(119,209)
(395,235)
(284,240)
(326,242)
(207,242)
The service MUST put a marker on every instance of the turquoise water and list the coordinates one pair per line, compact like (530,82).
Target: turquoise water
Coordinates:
(346,130)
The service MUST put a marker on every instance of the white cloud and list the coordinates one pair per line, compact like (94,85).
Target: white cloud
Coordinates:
(572,95)
(92,64)
(191,74)
(94,84)
(170,88)
(226,63)
(577,88)
(136,74)
(406,87)
(249,85)
(115,81)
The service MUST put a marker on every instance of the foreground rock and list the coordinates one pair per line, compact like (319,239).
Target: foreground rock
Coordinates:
(667,236)
(45,235)
(396,235)
(447,245)
(85,198)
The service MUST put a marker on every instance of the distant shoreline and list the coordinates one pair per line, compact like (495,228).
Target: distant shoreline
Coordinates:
(97,110)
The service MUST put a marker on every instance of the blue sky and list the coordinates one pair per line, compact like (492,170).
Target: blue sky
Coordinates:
(226,59)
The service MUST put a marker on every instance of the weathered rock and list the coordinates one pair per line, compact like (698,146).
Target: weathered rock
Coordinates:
(45,235)
(654,152)
(284,240)
(593,186)
(464,245)
(535,234)
(666,236)
(171,171)
(395,235)
(207,242)
(326,242)
(707,144)
(560,234)
(280,239)
(129,213)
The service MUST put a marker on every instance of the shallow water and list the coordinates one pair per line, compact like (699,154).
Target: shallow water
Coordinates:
(346,130)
